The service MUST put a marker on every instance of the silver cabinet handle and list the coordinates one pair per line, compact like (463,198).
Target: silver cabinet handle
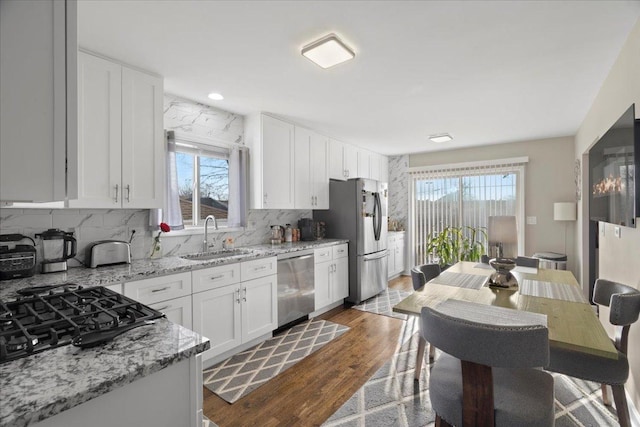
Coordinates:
(238,297)
(160,290)
(128,192)
(163,308)
(115,199)
(262,267)
(220,276)
(244,295)
(265,198)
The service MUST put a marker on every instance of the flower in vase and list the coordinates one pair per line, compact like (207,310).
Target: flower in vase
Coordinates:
(156,247)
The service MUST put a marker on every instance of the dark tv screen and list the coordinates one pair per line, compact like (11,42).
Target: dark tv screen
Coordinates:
(613,162)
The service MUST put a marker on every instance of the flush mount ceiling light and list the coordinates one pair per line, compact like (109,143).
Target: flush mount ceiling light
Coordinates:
(215,96)
(328,51)
(441,137)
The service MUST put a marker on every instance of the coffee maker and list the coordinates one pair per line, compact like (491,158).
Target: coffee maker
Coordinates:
(57,247)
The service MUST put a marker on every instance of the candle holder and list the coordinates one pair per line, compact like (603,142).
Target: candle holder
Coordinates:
(503,278)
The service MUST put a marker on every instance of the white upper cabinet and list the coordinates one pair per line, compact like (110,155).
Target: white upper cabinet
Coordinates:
(311,181)
(121,150)
(364,163)
(271,142)
(343,160)
(38,58)
(384,169)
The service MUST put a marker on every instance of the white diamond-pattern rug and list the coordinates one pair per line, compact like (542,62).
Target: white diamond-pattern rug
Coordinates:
(383,303)
(246,371)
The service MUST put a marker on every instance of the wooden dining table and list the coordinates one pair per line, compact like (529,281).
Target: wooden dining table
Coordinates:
(571,320)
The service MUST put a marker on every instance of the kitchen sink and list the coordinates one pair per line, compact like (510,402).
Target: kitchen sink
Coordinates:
(225,253)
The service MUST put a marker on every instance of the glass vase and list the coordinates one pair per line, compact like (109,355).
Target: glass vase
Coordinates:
(156,249)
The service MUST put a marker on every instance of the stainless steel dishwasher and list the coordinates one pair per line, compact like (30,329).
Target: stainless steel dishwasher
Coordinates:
(296,290)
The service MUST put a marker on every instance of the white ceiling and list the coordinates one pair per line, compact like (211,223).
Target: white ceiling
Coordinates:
(485,71)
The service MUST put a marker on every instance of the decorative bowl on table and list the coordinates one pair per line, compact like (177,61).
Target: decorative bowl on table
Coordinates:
(502,277)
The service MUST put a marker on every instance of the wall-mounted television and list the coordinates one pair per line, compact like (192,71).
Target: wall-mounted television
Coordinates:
(614,161)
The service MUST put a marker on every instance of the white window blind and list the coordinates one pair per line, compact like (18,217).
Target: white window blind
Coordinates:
(464,194)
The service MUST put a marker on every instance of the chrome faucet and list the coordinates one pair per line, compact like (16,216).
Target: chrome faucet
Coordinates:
(205,244)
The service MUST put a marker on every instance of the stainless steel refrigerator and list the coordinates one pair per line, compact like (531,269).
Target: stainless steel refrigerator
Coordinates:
(358,212)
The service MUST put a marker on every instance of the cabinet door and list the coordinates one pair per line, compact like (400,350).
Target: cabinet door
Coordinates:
(143,147)
(374,167)
(364,164)
(38,44)
(177,310)
(319,170)
(351,160)
(391,244)
(304,197)
(99,133)
(322,284)
(259,307)
(277,164)
(399,260)
(340,279)
(384,169)
(217,316)
(336,160)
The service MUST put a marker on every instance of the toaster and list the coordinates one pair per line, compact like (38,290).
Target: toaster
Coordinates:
(108,252)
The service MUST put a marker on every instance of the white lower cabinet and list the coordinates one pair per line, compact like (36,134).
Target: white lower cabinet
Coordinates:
(331,275)
(170,295)
(230,314)
(395,244)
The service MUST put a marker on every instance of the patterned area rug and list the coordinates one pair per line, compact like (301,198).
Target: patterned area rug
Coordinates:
(392,398)
(384,302)
(244,372)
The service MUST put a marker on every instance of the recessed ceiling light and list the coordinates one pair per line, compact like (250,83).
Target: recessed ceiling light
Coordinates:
(328,51)
(215,96)
(441,137)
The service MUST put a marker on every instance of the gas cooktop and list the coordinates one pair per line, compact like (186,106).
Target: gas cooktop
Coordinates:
(35,323)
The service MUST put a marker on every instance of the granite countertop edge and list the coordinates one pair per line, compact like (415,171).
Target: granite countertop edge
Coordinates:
(24,408)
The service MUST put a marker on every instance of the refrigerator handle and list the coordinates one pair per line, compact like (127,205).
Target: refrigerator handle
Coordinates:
(376,256)
(377,216)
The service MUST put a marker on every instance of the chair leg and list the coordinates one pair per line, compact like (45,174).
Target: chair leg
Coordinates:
(620,398)
(441,423)
(432,352)
(419,358)
(605,395)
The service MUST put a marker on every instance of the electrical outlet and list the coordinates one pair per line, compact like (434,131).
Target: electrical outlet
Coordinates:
(616,232)
(532,220)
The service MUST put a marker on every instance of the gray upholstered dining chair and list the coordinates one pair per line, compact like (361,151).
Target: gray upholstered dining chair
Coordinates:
(624,304)
(421,274)
(525,261)
(487,374)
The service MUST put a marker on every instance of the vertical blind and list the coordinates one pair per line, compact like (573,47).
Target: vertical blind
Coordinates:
(461,195)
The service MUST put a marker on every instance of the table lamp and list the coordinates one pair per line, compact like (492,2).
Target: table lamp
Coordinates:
(564,211)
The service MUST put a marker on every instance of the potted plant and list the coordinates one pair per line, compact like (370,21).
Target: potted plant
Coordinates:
(454,244)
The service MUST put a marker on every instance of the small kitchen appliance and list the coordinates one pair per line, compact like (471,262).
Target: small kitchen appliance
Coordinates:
(108,252)
(277,234)
(57,247)
(57,315)
(17,258)
(307,228)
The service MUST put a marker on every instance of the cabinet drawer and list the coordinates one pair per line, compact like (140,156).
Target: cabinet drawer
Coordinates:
(158,289)
(322,254)
(212,278)
(116,288)
(340,251)
(258,268)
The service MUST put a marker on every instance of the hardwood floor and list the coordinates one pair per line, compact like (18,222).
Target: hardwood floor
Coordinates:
(312,390)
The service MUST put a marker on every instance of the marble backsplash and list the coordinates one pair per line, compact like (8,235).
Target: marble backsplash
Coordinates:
(89,226)
(398,189)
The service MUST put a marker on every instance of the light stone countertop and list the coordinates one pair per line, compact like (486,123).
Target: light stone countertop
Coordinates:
(44,384)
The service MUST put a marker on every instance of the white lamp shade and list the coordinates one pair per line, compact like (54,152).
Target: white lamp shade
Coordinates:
(564,211)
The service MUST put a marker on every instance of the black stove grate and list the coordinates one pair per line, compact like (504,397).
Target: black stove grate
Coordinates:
(33,324)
